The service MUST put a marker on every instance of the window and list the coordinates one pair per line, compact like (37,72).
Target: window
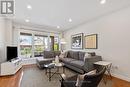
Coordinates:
(56,44)
(25,45)
(33,45)
(40,44)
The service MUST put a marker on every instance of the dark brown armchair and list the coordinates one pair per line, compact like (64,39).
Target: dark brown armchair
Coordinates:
(89,80)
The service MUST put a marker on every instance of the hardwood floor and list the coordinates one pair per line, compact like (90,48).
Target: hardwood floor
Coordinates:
(14,81)
(11,81)
(120,83)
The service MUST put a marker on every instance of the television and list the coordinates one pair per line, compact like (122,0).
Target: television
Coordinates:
(11,52)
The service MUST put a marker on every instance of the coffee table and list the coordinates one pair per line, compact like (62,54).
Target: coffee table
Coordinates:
(49,67)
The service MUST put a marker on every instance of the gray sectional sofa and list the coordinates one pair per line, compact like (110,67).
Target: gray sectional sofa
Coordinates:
(75,61)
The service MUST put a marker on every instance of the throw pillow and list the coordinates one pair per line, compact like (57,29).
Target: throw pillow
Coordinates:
(87,55)
(66,53)
(80,78)
(63,55)
(92,53)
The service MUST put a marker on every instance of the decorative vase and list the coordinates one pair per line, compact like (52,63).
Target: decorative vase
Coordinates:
(57,60)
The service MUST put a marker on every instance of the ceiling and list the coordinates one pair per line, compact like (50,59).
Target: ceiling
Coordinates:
(53,13)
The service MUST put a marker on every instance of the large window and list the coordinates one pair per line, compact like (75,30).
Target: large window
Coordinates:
(40,44)
(33,45)
(25,45)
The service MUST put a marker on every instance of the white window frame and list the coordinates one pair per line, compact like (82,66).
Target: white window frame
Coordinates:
(33,34)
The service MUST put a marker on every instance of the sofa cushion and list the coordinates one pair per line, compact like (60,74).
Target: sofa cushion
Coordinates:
(77,63)
(94,58)
(66,60)
(76,55)
(73,54)
(57,53)
(81,55)
(48,54)
(70,54)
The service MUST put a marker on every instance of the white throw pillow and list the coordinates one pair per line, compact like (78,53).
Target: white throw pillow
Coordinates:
(87,55)
(63,55)
(80,78)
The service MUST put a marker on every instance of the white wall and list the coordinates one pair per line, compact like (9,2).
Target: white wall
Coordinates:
(2,39)
(9,32)
(5,37)
(113,40)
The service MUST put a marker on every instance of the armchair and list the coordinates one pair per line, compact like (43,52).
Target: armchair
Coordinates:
(89,80)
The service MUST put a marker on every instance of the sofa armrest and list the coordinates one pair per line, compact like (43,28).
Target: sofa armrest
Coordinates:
(41,61)
(89,63)
(93,59)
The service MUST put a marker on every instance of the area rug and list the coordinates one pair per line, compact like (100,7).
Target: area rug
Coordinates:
(34,77)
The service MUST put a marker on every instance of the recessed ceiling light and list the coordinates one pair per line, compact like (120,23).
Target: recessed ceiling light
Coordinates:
(27,20)
(102,1)
(29,7)
(70,20)
(58,27)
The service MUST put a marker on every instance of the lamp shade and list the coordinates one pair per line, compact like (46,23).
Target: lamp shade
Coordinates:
(62,41)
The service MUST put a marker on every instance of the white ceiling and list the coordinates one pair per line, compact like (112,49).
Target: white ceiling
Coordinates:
(52,13)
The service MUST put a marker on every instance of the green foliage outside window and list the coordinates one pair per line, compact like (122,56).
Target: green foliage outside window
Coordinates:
(27,51)
(56,47)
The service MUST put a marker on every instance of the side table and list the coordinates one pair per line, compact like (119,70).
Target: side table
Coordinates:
(108,66)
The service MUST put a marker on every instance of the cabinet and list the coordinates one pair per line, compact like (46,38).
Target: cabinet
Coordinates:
(11,67)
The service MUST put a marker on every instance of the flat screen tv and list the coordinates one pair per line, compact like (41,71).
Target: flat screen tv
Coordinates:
(11,52)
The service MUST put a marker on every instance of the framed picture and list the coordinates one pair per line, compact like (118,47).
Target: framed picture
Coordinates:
(77,41)
(91,41)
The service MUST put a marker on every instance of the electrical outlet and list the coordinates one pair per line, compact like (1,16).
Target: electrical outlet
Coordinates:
(115,67)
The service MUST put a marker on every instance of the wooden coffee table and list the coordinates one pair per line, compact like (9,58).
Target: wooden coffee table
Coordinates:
(49,67)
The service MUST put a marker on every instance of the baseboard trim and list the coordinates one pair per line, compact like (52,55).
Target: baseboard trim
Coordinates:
(118,76)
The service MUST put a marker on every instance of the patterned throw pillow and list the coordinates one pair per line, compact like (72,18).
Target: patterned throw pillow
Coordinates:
(63,55)
(80,78)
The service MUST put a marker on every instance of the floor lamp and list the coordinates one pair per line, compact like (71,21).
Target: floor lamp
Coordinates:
(62,42)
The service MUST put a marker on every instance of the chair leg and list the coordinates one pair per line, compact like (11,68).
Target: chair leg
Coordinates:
(61,83)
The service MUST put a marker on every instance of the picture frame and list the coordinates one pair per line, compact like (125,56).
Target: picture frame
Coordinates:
(77,41)
(91,41)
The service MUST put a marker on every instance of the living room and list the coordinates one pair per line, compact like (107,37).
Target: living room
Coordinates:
(36,30)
